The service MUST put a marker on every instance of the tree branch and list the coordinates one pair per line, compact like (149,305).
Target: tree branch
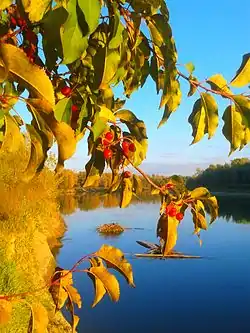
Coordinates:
(144,175)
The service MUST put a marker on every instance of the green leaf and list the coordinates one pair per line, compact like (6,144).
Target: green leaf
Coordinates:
(242,76)
(204,117)
(16,65)
(233,129)
(91,10)
(219,83)
(11,92)
(163,28)
(136,126)
(94,168)
(116,28)
(5,3)
(190,67)
(115,259)
(127,192)
(63,110)
(84,116)
(52,45)
(98,62)
(193,88)
(102,117)
(73,41)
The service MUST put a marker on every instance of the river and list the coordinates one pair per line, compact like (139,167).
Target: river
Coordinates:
(207,295)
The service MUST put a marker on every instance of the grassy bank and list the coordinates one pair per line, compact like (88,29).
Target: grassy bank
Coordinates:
(30,226)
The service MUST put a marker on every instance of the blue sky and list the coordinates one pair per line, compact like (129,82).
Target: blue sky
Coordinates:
(213,35)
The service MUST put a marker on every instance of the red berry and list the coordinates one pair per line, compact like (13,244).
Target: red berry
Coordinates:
(107,153)
(21,22)
(66,91)
(127,174)
(172,212)
(132,147)
(179,216)
(105,142)
(31,36)
(169,185)
(74,108)
(109,136)
(125,145)
(13,21)
(168,208)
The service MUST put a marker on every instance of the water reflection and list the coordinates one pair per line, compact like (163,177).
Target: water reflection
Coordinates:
(231,208)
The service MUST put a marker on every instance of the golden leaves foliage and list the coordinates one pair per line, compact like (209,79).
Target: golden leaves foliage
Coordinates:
(5,311)
(65,294)
(15,66)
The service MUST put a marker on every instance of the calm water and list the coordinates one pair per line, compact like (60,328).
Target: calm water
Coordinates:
(211,294)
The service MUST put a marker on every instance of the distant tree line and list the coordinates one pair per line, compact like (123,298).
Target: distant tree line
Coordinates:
(234,176)
(72,181)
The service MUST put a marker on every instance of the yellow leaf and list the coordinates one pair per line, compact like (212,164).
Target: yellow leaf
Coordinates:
(58,290)
(59,295)
(75,296)
(5,311)
(36,8)
(127,193)
(212,205)
(41,319)
(63,133)
(234,128)
(36,154)
(219,83)
(204,117)
(198,213)
(106,114)
(109,281)
(5,3)
(115,258)
(242,77)
(15,65)
(112,61)
(100,290)
(167,230)
(75,323)
(200,193)
(13,138)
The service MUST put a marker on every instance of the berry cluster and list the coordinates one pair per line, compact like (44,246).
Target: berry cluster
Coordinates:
(67,92)
(126,146)
(30,38)
(172,212)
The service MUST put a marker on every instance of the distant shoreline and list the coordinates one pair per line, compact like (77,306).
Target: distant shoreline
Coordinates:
(231,194)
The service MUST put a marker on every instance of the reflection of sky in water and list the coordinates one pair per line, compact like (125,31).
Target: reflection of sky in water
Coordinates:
(207,295)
